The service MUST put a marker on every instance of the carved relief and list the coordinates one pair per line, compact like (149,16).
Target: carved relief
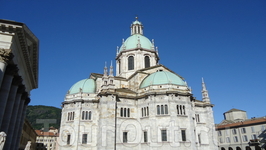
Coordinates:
(5,55)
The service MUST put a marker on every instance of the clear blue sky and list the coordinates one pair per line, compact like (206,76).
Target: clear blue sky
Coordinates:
(223,41)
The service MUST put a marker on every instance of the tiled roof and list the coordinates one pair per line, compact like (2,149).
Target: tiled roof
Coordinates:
(247,122)
(41,133)
(234,109)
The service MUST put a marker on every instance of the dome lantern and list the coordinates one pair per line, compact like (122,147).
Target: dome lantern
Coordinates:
(136,27)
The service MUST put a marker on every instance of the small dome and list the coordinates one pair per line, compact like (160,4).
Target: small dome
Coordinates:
(132,42)
(162,77)
(85,86)
(137,22)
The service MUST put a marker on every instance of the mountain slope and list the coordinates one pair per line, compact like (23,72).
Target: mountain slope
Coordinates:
(43,112)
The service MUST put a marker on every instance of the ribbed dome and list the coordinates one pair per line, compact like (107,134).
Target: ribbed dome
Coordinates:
(85,86)
(132,42)
(161,77)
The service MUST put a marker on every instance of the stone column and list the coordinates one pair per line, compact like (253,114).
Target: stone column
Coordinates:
(9,106)
(11,70)
(21,123)
(18,120)
(13,121)
(5,56)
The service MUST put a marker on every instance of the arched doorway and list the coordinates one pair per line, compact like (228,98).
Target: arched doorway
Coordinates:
(230,148)
(248,148)
(222,148)
(257,148)
(238,148)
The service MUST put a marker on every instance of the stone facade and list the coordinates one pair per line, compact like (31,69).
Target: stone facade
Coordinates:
(146,106)
(19,50)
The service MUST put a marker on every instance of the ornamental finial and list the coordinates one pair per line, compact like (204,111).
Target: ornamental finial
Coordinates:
(137,17)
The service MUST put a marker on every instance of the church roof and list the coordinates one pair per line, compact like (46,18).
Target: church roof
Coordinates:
(160,78)
(85,86)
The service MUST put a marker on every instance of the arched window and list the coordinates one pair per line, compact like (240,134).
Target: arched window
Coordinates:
(121,112)
(82,115)
(162,109)
(128,112)
(184,112)
(238,148)
(147,111)
(248,148)
(222,148)
(119,67)
(166,109)
(158,109)
(125,112)
(142,113)
(130,63)
(147,61)
(90,115)
(86,118)
(180,110)
(177,108)
(230,148)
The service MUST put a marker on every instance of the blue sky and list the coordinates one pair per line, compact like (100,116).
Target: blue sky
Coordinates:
(223,41)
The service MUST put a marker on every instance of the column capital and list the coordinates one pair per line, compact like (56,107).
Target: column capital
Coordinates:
(17,80)
(11,69)
(5,55)
(21,89)
(27,101)
(24,95)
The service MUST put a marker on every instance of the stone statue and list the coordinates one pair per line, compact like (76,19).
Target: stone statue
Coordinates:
(2,140)
(28,146)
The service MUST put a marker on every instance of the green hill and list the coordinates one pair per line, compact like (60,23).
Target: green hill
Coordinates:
(43,112)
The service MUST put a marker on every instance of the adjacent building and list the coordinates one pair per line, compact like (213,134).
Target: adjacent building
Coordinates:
(237,132)
(47,140)
(145,106)
(19,50)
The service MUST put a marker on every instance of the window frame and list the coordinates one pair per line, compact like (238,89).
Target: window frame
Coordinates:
(84,138)
(183,135)
(164,135)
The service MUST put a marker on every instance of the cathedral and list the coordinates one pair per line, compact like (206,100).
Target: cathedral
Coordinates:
(144,106)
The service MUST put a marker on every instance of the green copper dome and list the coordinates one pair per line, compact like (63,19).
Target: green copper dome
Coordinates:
(162,77)
(132,42)
(85,86)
